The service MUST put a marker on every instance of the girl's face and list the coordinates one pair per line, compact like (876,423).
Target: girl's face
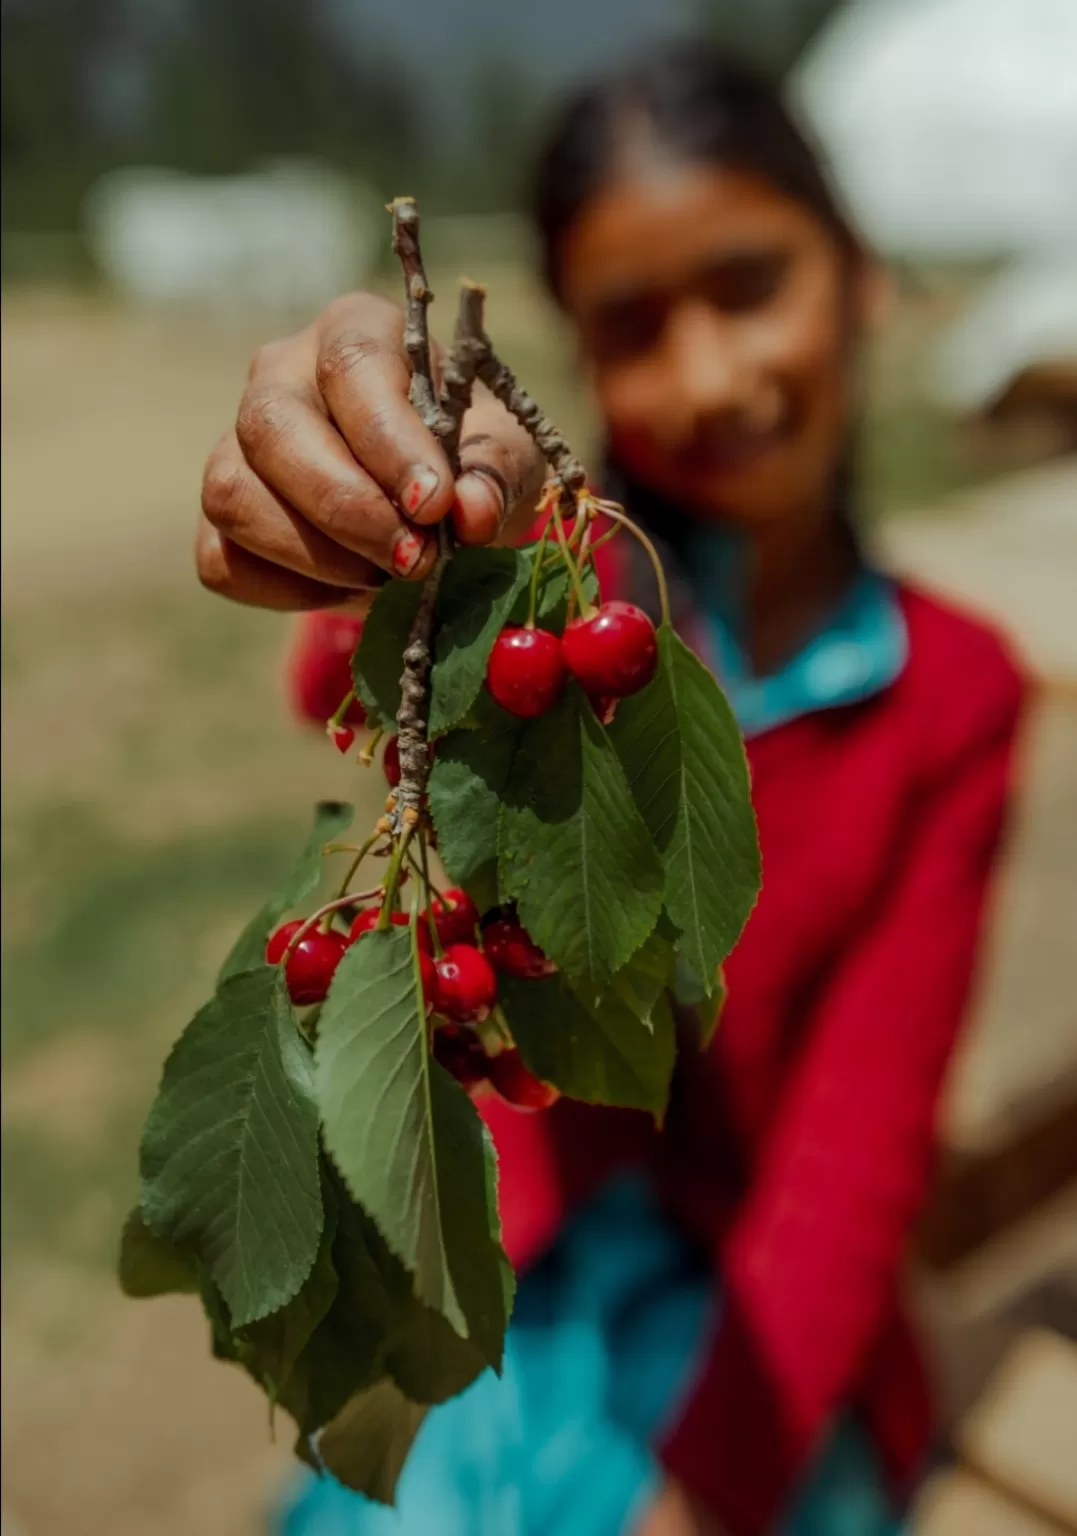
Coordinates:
(717,316)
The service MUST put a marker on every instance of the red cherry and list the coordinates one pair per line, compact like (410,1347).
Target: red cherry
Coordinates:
(367,921)
(311,963)
(518,1084)
(390,761)
(614,652)
(455,917)
(280,938)
(510,948)
(526,671)
(467,985)
(459,1052)
(342,737)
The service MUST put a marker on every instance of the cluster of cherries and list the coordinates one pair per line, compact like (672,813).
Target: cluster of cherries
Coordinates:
(611,653)
(460,985)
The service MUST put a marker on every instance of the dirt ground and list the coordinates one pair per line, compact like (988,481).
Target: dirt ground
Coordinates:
(153,785)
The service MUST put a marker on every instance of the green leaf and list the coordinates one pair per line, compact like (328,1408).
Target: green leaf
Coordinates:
(407,1139)
(477,594)
(276,1342)
(683,754)
(425,1356)
(229,1152)
(575,853)
(602,1056)
(641,982)
(366,1445)
(378,661)
(467,781)
(428,1359)
(331,817)
(340,1356)
(150,1266)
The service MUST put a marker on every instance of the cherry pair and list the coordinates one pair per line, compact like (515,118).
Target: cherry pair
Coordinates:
(455,918)
(462,984)
(611,653)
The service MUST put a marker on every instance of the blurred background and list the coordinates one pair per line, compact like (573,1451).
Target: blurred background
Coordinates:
(186,178)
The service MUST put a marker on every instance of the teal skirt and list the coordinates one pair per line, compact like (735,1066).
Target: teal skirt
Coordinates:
(605,1336)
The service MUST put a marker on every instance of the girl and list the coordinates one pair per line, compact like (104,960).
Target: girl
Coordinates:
(708,1334)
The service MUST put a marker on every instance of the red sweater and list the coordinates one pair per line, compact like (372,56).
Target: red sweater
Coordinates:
(799,1149)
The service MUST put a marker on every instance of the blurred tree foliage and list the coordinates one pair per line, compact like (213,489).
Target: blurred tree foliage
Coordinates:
(215,86)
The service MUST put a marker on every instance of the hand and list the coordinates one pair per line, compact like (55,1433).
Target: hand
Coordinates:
(302,500)
(676,1512)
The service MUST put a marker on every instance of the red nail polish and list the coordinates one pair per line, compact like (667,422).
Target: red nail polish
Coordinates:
(407,552)
(419,489)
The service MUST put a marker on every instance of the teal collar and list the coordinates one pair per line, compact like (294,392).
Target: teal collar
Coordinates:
(858,651)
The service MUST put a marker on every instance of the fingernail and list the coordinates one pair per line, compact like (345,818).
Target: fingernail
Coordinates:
(482,491)
(407,552)
(418,488)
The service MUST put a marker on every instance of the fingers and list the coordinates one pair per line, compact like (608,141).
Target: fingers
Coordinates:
(233,572)
(330,475)
(299,456)
(246,512)
(363,377)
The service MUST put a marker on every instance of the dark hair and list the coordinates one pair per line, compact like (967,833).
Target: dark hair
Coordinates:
(699,105)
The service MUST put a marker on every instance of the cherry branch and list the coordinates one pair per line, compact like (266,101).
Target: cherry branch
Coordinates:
(414,683)
(417,299)
(502,382)
(472,356)
(469,346)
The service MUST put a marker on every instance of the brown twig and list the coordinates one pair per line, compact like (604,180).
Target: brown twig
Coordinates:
(470,344)
(417,298)
(502,382)
(472,357)
(414,683)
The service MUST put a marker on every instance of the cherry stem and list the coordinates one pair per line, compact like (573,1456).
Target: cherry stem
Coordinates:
(416,964)
(660,576)
(604,538)
(360,855)
(536,572)
(351,900)
(585,544)
(366,756)
(429,891)
(336,719)
(392,876)
(574,576)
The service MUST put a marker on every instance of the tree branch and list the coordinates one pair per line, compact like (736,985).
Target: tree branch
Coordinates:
(472,356)
(470,344)
(414,683)
(502,382)
(417,299)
